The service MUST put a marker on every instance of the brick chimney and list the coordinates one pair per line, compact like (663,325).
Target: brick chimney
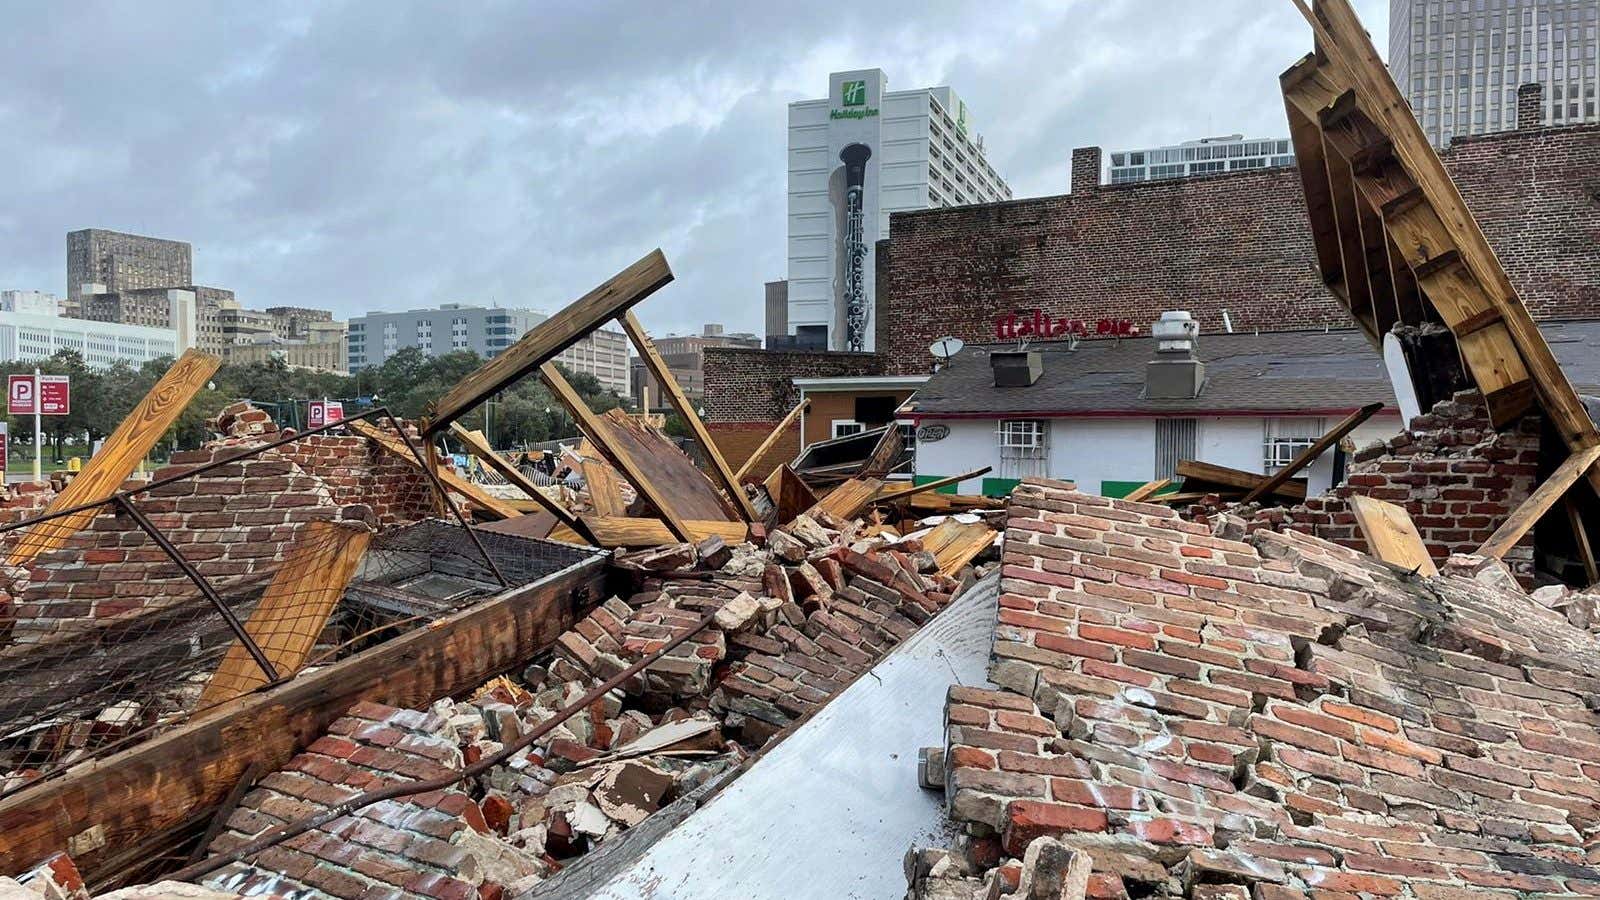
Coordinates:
(1085,170)
(1530,105)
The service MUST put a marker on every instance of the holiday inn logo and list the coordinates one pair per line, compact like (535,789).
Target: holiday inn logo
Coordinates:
(853,97)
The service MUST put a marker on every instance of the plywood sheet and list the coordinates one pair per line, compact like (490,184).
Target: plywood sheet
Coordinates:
(1391,535)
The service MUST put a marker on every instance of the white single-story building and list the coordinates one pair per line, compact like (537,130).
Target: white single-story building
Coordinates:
(1111,415)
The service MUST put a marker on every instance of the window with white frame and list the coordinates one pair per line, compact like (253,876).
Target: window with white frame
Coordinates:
(1024,447)
(847,427)
(1285,439)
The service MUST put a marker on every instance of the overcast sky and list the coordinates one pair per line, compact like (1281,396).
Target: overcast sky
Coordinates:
(364,156)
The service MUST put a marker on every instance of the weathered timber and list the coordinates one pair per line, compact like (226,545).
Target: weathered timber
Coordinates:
(1525,516)
(294,608)
(121,453)
(784,424)
(98,807)
(554,335)
(1391,535)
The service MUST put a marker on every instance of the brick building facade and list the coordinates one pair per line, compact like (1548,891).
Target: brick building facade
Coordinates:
(755,388)
(1237,241)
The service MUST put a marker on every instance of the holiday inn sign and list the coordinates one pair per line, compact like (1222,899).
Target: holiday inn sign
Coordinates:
(853,97)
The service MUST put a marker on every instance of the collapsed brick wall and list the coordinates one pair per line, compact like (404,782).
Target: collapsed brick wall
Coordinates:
(1238,241)
(1453,472)
(1279,718)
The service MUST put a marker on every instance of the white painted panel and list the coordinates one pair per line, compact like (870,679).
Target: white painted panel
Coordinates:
(970,445)
(1237,443)
(1089,451)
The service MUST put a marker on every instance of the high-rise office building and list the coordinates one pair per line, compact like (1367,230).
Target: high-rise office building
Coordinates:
(1207,156)
(856,156)
(121,262)
(1459,62)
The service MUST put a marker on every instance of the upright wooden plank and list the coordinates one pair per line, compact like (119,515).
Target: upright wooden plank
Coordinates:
(1524,517)
(1391,535)
(121,453)
(621,456)
(605,494)
(1580,537)
(790,495)
(1309,455)
(395,447)
(554,335)
(294,609)
(478,446)
(772,438)
(720,471)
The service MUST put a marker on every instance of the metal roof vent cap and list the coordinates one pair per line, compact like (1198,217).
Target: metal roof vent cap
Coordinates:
(1175,373)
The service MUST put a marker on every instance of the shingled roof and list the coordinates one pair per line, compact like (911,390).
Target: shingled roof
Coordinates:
(1302,371)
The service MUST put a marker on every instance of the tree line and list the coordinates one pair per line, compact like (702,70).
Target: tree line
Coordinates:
(407,382)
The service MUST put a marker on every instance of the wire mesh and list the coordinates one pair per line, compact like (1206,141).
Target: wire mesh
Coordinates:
(320,547)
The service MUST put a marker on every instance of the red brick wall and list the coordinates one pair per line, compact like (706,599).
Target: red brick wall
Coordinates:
(1239,241)
(747,385)
(1455,475)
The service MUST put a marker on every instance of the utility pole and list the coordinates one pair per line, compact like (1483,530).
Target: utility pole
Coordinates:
(38,431)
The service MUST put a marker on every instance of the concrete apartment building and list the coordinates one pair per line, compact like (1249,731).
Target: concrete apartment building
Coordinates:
(685,356)
(856,156)
(1206,156)
(1459,62)
(487,331)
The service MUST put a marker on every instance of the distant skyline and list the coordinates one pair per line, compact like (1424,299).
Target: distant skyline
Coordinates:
(363,157)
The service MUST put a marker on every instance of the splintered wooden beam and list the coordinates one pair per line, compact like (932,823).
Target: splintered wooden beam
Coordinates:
(902,490)
(397,448)
(659,370)
(1309,455)
(1391,535)
(772,438)
(294,609)
(620,456)
(1346,44)
(1148,488)
(554,335)
(478,446)
(1524,517)
(634,531)
(179,775)
(121,453)
(1194,473)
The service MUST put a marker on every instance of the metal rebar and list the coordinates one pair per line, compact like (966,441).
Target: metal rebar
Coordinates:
(445,496)
(282,833)
(149,528)
(191,472)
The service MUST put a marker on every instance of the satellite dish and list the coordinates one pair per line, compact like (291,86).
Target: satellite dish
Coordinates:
(946,347)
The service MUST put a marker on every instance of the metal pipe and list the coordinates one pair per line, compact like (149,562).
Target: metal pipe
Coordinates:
(189,473)
(200,582)
(282,833)
(445,496)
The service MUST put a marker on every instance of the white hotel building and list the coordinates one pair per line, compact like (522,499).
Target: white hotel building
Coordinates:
(32,330)
(856,156)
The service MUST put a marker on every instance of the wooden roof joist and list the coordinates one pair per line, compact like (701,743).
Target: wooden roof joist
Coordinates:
(1394,238)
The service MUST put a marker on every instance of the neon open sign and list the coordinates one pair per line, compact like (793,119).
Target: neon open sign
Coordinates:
(1038,325)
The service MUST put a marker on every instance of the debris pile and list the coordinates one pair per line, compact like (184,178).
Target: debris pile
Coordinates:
(790,626)
(1210,717)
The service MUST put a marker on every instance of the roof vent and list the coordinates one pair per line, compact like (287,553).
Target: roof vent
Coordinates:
(1018,368)
(1175,373)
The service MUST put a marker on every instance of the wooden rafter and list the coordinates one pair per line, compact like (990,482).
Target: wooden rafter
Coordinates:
(552,336)
(119,455)
(720,472)
(1199,475)
(1309,455)
(1144,491)
(772,438)
(1434,231)
(1524,517)
(478,446)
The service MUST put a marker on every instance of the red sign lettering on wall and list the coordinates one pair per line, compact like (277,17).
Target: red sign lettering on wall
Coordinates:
(1037,325)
